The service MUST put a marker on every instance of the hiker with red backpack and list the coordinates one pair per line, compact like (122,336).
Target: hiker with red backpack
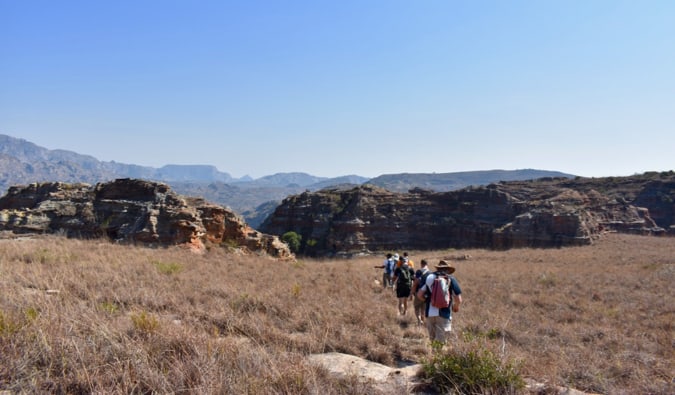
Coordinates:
(442,295)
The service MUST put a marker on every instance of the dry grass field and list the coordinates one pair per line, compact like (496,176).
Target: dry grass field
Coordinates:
(82,317)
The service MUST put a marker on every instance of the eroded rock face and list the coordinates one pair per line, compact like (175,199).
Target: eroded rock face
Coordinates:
(659,197)
(129,210)
(506,215)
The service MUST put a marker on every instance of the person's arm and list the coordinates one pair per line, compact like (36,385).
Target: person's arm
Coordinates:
(456,301)
(456,295)
(415,286)
(422,291)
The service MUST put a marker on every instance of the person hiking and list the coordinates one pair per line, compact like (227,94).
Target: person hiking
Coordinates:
(420,278)
(404,258)
(439,320)
(388,274)
(403,279)
(407,259)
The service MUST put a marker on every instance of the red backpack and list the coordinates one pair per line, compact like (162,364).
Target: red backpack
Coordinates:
(440,291)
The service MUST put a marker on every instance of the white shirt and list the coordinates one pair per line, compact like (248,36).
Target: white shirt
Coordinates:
(433,311)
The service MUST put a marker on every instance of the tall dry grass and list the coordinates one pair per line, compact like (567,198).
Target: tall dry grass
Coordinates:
(88,316)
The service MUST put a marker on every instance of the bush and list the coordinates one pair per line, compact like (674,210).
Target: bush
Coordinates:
(168,267)
(293,240)
(476,371)
(145,323)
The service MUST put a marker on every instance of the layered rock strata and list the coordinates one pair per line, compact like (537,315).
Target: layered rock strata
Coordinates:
(543,213)
(129,210)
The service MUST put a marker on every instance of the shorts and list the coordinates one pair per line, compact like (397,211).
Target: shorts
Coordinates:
(439,328)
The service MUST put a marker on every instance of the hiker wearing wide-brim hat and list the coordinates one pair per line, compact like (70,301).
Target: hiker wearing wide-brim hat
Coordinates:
(439,314)
(445,267)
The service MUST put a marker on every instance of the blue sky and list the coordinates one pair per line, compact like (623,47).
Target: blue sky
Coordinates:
(333,88)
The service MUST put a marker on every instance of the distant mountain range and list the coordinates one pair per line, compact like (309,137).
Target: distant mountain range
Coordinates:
(23,162)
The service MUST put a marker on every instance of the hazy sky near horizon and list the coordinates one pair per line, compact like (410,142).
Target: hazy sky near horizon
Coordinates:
(334,88)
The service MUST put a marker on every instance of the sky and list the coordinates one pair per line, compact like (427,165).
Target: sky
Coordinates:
(334,88)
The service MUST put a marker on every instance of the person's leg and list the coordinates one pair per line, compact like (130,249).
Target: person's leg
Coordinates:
(438,327)
(400,306)
(448,330)
(443,329)
(431,327)
(419,310)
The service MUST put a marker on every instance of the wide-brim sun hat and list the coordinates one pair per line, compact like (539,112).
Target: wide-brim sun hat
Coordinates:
(445,266)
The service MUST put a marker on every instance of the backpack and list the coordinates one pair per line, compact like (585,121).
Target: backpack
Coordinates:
(389,266)
(404,283)
(440,292)
(421,278)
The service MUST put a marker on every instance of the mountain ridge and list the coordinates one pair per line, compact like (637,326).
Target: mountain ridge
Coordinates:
(23,162)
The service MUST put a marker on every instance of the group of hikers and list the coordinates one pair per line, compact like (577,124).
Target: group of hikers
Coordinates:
(435,295)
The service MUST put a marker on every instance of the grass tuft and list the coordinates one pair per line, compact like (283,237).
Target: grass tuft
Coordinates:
(144,323)
(474,371)
(168,268)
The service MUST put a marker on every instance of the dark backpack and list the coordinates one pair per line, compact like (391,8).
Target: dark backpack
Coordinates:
(421,277)
(404,282)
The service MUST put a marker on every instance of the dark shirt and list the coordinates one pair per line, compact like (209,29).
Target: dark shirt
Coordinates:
(400,291)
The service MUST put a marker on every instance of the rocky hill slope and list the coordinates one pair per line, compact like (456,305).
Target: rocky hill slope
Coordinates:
(549,212)
(127,210)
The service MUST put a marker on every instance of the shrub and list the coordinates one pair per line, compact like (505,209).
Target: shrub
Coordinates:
(293,240)
(144,322)
(295,290)
(7,326)
(311,242)
(476,371)
(109,307)
(231,244)
(168,268)
(31,314)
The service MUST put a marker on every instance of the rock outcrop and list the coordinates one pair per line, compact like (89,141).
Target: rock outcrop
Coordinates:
(539,213)
(129,210)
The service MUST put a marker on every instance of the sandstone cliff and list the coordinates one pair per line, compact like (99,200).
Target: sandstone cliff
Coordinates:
(129,210)
(541,213)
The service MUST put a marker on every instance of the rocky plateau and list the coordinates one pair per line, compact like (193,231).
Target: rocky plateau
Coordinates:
(547,212)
